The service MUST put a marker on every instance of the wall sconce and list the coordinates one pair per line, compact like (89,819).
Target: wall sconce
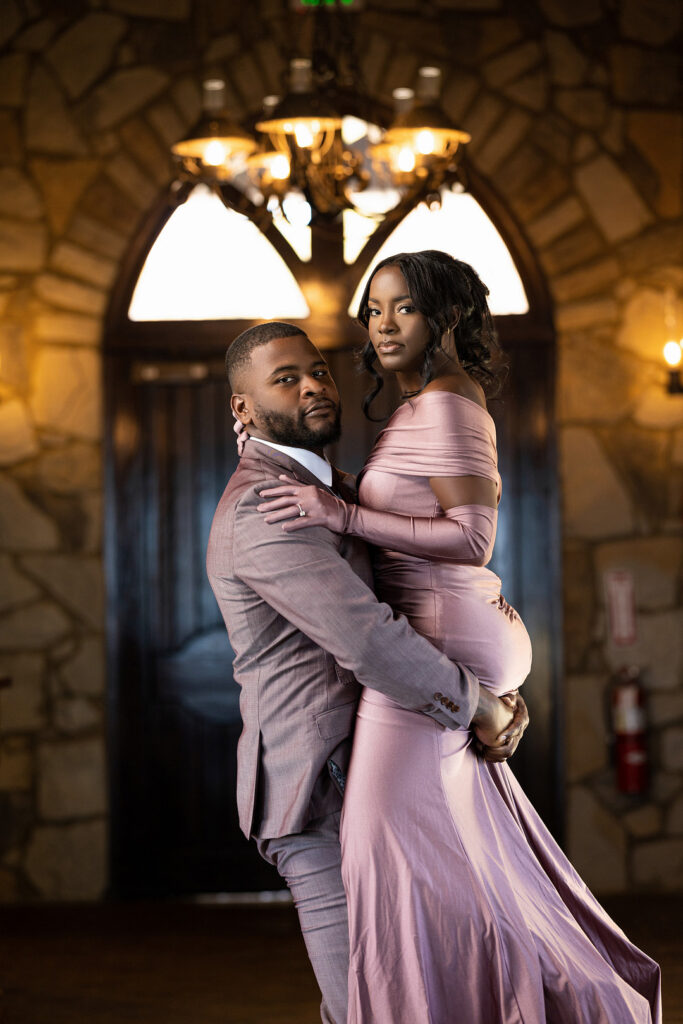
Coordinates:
(673,350)
(672,355)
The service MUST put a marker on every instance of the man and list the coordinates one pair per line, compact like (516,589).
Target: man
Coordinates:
(307,629)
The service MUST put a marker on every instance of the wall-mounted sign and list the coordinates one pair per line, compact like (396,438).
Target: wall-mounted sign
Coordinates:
(621,606)
(342,5)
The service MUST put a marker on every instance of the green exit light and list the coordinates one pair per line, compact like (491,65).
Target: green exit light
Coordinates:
(305,5)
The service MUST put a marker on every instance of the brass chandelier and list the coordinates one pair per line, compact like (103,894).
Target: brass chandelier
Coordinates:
(312,145)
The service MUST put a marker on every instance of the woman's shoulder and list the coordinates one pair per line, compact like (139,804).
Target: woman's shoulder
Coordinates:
(452,400)
(457,384)
(438,432)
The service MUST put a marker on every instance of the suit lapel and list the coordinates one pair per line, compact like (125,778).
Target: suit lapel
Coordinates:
(344,485)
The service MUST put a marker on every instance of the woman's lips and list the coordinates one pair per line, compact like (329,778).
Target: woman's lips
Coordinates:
(387,347)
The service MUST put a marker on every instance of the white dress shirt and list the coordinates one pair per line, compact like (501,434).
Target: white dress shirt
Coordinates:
(320,468)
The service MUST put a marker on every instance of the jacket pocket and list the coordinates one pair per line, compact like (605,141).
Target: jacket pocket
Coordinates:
(337,721)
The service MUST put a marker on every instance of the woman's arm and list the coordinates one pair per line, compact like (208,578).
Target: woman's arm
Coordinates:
(465,533)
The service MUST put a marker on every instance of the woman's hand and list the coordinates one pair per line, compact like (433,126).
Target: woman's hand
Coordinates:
(297,506)
(506,743)
(510,699)
(496,733)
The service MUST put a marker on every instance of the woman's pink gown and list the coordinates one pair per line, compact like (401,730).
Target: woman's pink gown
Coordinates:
(462,908)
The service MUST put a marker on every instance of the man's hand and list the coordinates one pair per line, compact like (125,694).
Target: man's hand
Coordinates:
(493,742)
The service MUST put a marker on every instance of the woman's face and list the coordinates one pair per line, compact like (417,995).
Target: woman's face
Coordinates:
(398,332)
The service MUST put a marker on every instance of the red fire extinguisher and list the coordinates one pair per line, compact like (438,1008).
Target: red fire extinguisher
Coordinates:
(629,723)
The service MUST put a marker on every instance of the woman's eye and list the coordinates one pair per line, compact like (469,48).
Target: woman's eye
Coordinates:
(406,309)
(373,312)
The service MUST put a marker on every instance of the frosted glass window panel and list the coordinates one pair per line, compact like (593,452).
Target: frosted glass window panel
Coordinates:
(460,227)
(359,224)
(211,263)
(298,235)
(357,231)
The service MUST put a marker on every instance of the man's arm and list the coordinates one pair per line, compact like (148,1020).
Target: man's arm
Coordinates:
(305,579)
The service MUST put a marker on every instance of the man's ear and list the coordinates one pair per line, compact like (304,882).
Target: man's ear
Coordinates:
(241,406)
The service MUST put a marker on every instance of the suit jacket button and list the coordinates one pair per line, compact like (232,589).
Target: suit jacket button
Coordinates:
(438,696)
(456,707)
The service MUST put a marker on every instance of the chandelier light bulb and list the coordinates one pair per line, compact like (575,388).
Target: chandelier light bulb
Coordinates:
(296,209)
(303,134)
(406,160)
(673,353)
(353,129)
(425,142)
(279,167)
(214,153)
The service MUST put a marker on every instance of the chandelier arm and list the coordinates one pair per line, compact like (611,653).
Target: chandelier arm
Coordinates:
(179,190)
(335,196)
(260,215)
(327,143)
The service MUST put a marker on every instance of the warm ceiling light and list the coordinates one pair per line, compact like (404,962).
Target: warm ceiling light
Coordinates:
(303,115)
(395,158)
(268,167)
(353,129)
(673,353)
(405,159)
(305,146)
(217,138)
(424,125)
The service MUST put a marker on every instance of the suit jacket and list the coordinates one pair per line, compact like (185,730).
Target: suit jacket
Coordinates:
(306,629)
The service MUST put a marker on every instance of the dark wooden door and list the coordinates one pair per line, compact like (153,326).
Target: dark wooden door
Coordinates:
(527,559)
(175,711)
(174,704)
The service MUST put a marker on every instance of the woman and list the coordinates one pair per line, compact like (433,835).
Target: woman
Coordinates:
(461,906)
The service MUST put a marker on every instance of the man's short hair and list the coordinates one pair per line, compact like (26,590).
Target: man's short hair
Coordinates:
(238,356)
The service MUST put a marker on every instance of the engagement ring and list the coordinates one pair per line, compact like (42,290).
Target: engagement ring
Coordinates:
(301,511)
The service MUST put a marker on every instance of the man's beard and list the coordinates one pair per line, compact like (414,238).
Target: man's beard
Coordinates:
(294,431)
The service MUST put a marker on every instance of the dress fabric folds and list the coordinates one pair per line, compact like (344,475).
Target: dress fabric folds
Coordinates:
(462,908)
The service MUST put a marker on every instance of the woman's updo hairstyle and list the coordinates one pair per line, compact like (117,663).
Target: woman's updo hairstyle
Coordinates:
(437,282)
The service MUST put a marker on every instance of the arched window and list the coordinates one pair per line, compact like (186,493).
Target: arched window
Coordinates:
(462,228)
(211,263)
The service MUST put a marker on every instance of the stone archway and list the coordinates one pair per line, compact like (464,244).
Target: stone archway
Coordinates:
(575,126)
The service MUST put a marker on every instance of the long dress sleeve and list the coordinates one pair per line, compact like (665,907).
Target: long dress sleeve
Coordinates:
(446,436)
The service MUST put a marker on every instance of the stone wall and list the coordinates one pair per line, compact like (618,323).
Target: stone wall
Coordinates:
(573,113)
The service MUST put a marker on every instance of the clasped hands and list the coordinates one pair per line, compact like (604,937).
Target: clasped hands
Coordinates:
(298,506)
(494,740)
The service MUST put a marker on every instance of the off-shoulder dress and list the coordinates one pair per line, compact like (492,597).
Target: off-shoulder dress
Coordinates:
(462,908)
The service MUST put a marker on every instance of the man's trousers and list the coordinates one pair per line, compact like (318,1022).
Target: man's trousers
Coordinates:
(310,863)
